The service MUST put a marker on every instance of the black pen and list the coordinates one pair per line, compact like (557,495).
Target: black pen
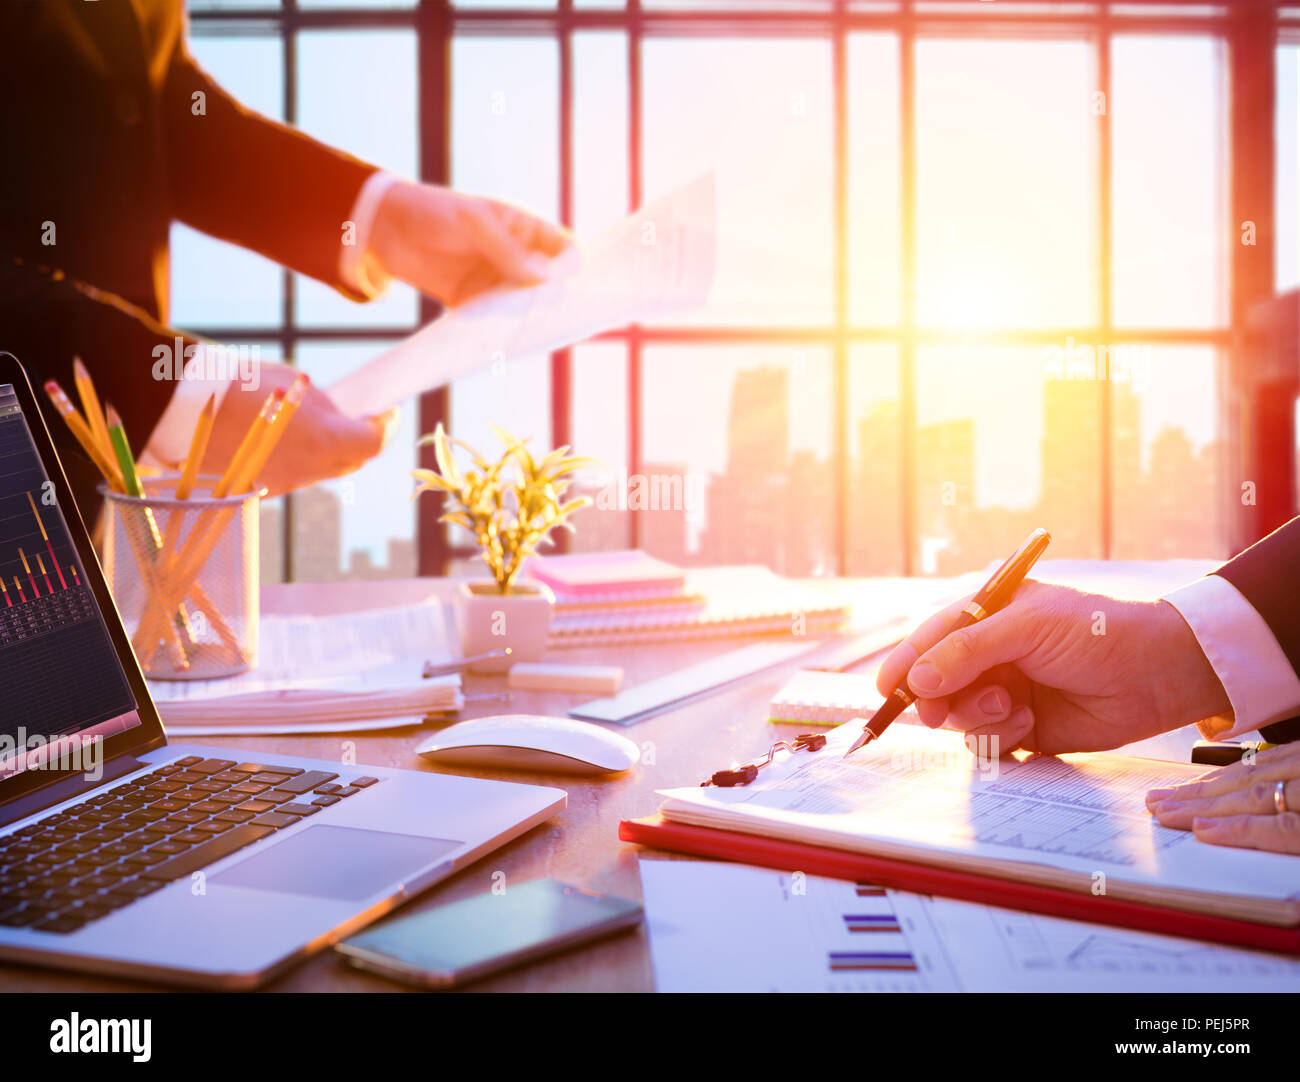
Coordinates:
(993,595)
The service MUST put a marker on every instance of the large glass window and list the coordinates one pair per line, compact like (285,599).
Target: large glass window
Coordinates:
(974,265)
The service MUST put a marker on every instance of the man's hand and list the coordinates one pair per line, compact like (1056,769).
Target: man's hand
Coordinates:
(1058,670)
(320,441)
(454,246)
(1236,804)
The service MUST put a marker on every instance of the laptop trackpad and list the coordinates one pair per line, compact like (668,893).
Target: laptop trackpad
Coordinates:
(336,862)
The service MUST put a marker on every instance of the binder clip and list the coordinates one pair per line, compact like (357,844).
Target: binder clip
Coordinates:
(747,772)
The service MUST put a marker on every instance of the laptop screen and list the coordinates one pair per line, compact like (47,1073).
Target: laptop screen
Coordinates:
(63,691)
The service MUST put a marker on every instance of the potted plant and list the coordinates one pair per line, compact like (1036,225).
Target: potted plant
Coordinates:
(510,506)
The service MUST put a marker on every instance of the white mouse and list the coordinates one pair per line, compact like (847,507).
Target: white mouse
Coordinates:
(532,742)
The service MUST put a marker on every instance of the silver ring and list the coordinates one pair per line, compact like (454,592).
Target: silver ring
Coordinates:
(1279,797)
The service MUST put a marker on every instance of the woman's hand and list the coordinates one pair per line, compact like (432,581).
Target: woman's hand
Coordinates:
(1236,804)
(320,441)
(453,246)
(1058,670)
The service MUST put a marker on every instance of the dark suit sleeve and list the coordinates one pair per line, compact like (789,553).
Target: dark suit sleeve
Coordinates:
(240,176)
(1268,576)
(47,319)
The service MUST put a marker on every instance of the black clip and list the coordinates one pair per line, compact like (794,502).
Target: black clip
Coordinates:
(747,772)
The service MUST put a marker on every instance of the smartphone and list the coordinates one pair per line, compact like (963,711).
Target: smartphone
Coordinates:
(461,942)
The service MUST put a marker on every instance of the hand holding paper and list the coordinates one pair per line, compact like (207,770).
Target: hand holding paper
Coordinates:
(659,260)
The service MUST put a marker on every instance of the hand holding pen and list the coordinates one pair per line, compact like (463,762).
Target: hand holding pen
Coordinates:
(1056,670)
(992,597)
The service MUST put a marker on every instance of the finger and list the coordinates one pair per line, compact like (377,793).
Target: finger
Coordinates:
(1256,799)
(958,659)
(494,241)
(894,668)
(1228,779)
(1001,738)
(537,233)
(1276,833)
(978,707)
(932,712)
(386,422)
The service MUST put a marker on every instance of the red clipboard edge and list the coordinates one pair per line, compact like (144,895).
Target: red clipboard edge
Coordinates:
(660,833)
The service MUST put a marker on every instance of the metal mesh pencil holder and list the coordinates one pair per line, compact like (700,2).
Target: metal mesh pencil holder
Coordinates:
(184,575)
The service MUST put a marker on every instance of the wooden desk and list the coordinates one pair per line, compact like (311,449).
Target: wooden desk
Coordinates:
(580,845)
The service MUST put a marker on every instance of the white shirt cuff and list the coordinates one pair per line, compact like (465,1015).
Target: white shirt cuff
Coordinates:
(359,268)
(1261,684)
(209,372)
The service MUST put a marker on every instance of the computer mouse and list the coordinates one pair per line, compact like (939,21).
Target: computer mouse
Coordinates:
(532,742)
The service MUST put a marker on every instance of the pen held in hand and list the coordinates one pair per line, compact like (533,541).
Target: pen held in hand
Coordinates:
(994,595)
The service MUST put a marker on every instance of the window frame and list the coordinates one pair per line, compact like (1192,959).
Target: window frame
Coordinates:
(1249,30)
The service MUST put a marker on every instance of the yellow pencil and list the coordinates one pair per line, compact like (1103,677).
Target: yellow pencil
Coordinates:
(262,452)
(193,460)
(236,465)
(90,404)
(84,436)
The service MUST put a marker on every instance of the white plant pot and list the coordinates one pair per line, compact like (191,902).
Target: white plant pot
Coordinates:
(492,621)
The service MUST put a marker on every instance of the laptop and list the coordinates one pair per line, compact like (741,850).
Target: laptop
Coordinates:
(124,854)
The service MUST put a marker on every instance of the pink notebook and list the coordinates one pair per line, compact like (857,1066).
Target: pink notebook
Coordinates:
(624,573)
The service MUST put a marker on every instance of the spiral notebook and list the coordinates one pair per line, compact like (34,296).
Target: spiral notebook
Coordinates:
(811,697)
(739,601)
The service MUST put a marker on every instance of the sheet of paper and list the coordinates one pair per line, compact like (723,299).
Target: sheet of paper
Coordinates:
(729,927)
(921,788)
(657,261)
(327,669)
(289,728)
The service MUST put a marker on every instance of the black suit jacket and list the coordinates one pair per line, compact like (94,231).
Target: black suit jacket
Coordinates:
(1268,576)
(109,132)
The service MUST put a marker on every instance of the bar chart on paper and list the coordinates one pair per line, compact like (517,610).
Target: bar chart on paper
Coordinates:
(727,927)
(730,927)
(58,669)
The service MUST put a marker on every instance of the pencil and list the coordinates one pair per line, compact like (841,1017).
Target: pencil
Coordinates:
(262,452)
(198,448)
(121,448)
(82,432)
(90,404)
(236,465)
(193,460)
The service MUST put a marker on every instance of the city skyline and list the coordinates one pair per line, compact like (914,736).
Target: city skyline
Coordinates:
(1164,502)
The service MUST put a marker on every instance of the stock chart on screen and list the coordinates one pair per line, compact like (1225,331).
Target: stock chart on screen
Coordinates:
(59,671)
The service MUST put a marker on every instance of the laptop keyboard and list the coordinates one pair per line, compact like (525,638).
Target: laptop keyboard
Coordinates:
(80,864)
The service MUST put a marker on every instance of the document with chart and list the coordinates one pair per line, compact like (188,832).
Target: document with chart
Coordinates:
(1077,821)
(731,927)
(657,261)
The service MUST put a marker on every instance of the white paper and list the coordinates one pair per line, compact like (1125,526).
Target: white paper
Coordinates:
(730,927)
(290,728)
(327,670)
(657,261)
(922,790)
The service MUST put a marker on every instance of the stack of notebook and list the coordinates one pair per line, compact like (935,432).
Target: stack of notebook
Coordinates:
(614,585)
(629,597)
